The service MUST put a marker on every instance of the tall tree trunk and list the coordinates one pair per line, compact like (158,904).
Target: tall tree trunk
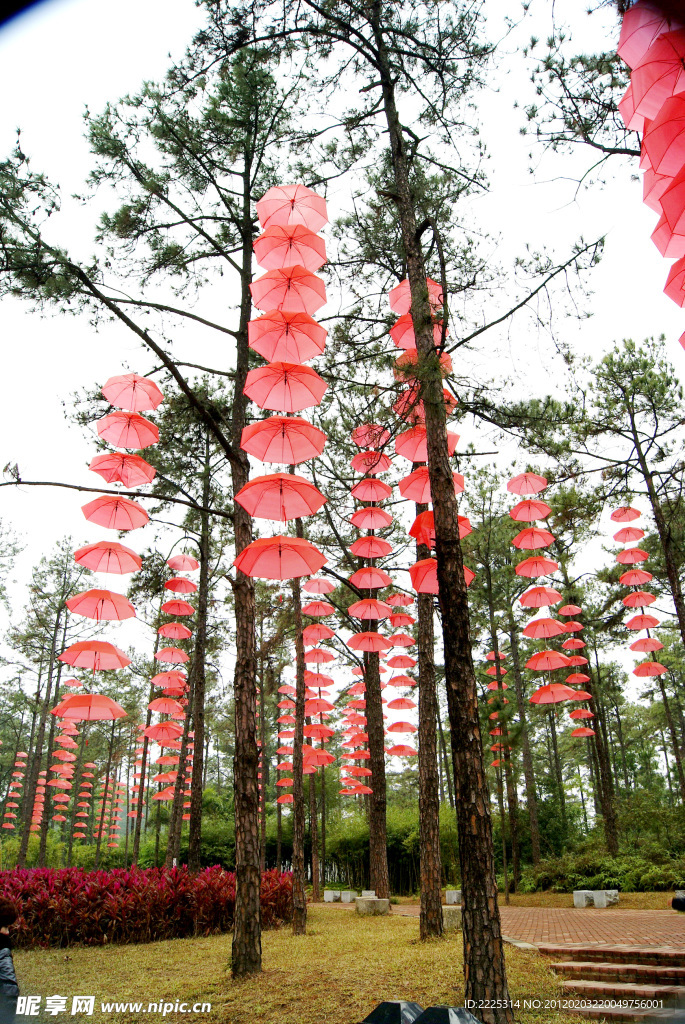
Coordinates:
(279,832)
(513,807)
(314,837)
(105,793)
(674,739)
(263,766)
(298,864)
(557,768)
(503,830)
(606,781)
(378,849)
(526,757)
(445,760)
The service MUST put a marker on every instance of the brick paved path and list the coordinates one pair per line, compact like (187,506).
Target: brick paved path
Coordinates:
(600,927)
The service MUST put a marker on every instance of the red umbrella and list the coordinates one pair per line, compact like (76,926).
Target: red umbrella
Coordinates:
(370,436)
(536,566)
(402,332)
(577,659)
(675,282)
(424,576)
(401,661)
(288,387)
(175,631)
(283,439)
(416,486)
(660,74)
(402,640)
(173,655)
(642,622)
(423,528)
(115,513)
(119,467)
(293,290)
(370,578)
(315,632)
(570,609)
(552,694)
(371,519)
(280,496)
(492,671)
(370,462)
(638,599)
(641,25)
(549,660)
(635,577)
(532,538)
(400,600)
(318,586)
(368,642)
(95,654)
(669,241)
(288,246)
(183,563)
(128,430)
(400,296)
(526,483)
(279,558)
(628,535)
(101,605)
(663,141)
(580,713)
(573,645)
(631,556)
(164,706)
(173,677)
(180,585)
(412,444)
(626,108)
(293,337)
(649,669)
(530,510)
(401,750)
(371,489)
(582,731)
(625,514)
(88,707)
(370,547)
(646,644)
(539,597)
(129,391)
(407,366)
(370,608)
(318,609)
(177,608)
(108,556)
(319,656)
(542,629)
(292,204)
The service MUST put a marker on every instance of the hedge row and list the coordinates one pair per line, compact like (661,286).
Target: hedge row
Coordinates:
(67,906)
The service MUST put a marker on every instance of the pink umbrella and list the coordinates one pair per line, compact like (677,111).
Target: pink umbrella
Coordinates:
(95,654)
(178,608)
(318,586)
(128,430)
(650,669)
(528,511)
(183,563)
(291,337)
(280,497)
(541,629)
(526,483)
(108,556)
(129,391)
(628,535)
(293,290)
(664,138)
(370,462)
(289,245)
(540,597)
(173,655)
(370,547)
(646,644)
(416,486)
(631,556)
(402,332)
(180,585)
(625,514)
(660,73)
(635,577)
(407,366)
(368,642)
(101,605)
(424,576)
(279,558)
(547,660)
(371,489)
(288,387)
(115,513)
(370,608)
(423,528)
(118,467)
(400,296)
(675,282)
(175,631)
(318,608)
(370,578)
(370,436)
(626,107)
(412,444)
(292,204)
(315,632)
(88,707)
(283,439)
(371,518)
(532,538)
(642,24)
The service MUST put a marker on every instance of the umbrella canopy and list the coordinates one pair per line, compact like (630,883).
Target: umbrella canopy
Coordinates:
(172,655)
(370,436)
(530,510)
(318,586)
(645,644)
(165,706)
(539,597)
(400,600)
(318,609)
(628,535)
(127,430)
(177,608)
(283,205)
(175,631)
(370,462)
(635,577)
(547,660)
(131,392)
(370,609)
(318,656)
(542,629)
(287,387)
(532,538)
(424,576)
(180,585)
(370,578)
(632,556)
(94,654)
(371,641)
(416,486)
(552,694)
(288,336)
(423,528)
(401,661)
(280,497)
(527,483)
(573,645)
(121,467)
(536,566)
(401,640)
(638,599)
(183,563)
(279,558)
(315,632)
(115,513)
(283,439)
(401,750)
(660,74)
(399,297)
(663,141)
(649,669)
(402,332)
(642,622)
(642,24)
(370,547)
(371,519)
(407,365)
(580,713)
(293,290)
(371,489)
(412,444)
(570,609)
(173,677)
(88,707)
(289,245)
(625,514)
(101,605)
(108,556)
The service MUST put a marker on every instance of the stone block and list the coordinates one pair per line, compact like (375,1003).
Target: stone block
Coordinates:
(368,894)
(583,898)
(612,897)
(451,918)
(348,896)
(331,895)
(371,905)
(453,897)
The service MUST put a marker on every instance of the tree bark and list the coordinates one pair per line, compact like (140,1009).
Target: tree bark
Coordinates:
(378,848)
(526,757)
(298,865)
(314,837)
(674,739)
(606,781)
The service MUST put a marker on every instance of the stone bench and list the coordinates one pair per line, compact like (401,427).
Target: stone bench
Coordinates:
(453,897)
(599,898)
(451,918)
(371,905)
(331,895)
(368,894)
(348,896)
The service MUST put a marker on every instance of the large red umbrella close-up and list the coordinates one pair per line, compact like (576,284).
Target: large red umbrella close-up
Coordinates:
(286,337)
(115,513)
(660,74)
(280,558)
(101,605)
(286,387)
(283,205)
(108,556)
(119,467)
(293,290)
(642,24)
(98,655)
(131,392)
(88,707)
(284,439)
(663,141)
(289,245)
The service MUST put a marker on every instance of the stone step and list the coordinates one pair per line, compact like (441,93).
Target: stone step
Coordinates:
(616,1015)
(641,974)
(662,956)
(667,995)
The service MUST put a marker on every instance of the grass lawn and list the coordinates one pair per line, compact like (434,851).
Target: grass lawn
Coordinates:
(336,974)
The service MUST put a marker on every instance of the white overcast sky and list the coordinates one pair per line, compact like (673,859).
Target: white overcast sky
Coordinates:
(68,54)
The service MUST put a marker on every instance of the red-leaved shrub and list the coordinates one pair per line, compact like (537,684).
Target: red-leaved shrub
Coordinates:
(65,906)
